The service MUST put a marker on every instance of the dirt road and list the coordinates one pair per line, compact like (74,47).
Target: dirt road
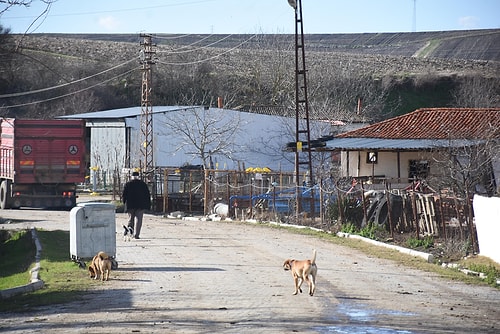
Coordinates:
(218,277)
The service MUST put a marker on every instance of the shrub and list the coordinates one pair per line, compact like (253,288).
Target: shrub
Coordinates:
(369,232)
(426,242)
(349,228)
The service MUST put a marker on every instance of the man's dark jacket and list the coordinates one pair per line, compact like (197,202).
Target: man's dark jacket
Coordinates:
(136,195)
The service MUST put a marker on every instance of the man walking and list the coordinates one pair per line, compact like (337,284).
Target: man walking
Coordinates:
(137,199)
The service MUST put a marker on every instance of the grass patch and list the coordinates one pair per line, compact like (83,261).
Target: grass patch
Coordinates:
(483,265)
(17,253)
(64,280)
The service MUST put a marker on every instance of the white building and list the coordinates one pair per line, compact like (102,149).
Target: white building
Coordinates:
(252,140)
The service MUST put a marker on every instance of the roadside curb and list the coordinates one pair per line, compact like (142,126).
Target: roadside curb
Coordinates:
(426,256)
(35,283)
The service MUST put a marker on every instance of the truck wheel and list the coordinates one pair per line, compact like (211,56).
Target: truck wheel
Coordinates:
(5,198)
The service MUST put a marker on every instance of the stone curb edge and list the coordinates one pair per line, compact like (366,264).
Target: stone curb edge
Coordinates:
(35,283)
(426,256)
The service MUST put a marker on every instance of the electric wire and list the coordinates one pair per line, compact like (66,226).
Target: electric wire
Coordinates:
(105,71)
(188,45)
(172,37)
(180,49)
(182,3)
(208,58)
(72,93)
(65,84)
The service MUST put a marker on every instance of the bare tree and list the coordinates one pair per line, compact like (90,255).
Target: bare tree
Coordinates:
(478,92)
(205,133)
(340,92)
(7,4)
(6,53)
(468,168)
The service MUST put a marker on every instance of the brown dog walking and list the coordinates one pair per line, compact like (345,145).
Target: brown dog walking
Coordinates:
(303,270)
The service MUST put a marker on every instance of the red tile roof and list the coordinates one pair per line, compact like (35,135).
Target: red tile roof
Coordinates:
(435,123)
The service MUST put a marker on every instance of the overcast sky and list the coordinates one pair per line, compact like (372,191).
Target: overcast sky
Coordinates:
(250,16)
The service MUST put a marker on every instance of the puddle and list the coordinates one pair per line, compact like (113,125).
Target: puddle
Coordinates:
(362,314)
(361,330)
(358,316)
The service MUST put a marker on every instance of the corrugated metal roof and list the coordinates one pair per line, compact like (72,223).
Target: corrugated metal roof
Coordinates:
(124,112)
(353,144)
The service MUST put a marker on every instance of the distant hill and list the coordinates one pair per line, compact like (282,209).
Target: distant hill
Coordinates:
(394,73)
(460,44)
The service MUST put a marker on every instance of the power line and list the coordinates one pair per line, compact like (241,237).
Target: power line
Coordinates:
(209,58)
(63,85)
(172,37)
(183,3)
(180,50)
(105,81)
(69,94)
(191,44)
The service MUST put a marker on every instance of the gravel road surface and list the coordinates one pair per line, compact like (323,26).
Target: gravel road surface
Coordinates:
(225,277)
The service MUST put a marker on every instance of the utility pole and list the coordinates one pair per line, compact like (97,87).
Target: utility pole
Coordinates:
(302,129)
(146,57)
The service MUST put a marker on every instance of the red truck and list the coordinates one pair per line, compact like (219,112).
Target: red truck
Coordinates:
(41,162)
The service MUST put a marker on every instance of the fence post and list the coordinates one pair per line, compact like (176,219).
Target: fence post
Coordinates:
(389,211)
(251,197)
(228,189)
(322,219)
(339,205)
(205,197)
(470,216)
(457,212)
(165,190)
(414,209)
(363,201)
(443,225)
(190,191)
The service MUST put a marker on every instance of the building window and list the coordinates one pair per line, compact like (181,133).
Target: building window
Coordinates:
(418,169)
(371,157)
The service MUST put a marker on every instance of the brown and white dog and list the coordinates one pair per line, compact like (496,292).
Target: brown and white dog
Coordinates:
(303,270)
(100,266)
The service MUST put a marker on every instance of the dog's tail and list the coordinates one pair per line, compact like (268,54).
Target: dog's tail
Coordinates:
(103,255)
(313,260)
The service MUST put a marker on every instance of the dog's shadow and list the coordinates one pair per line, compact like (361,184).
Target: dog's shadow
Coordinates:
(169,269)
(131,280)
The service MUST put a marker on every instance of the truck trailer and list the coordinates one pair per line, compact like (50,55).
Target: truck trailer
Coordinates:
(41,162)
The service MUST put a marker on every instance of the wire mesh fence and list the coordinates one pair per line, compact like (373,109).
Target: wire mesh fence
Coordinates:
(397,206)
